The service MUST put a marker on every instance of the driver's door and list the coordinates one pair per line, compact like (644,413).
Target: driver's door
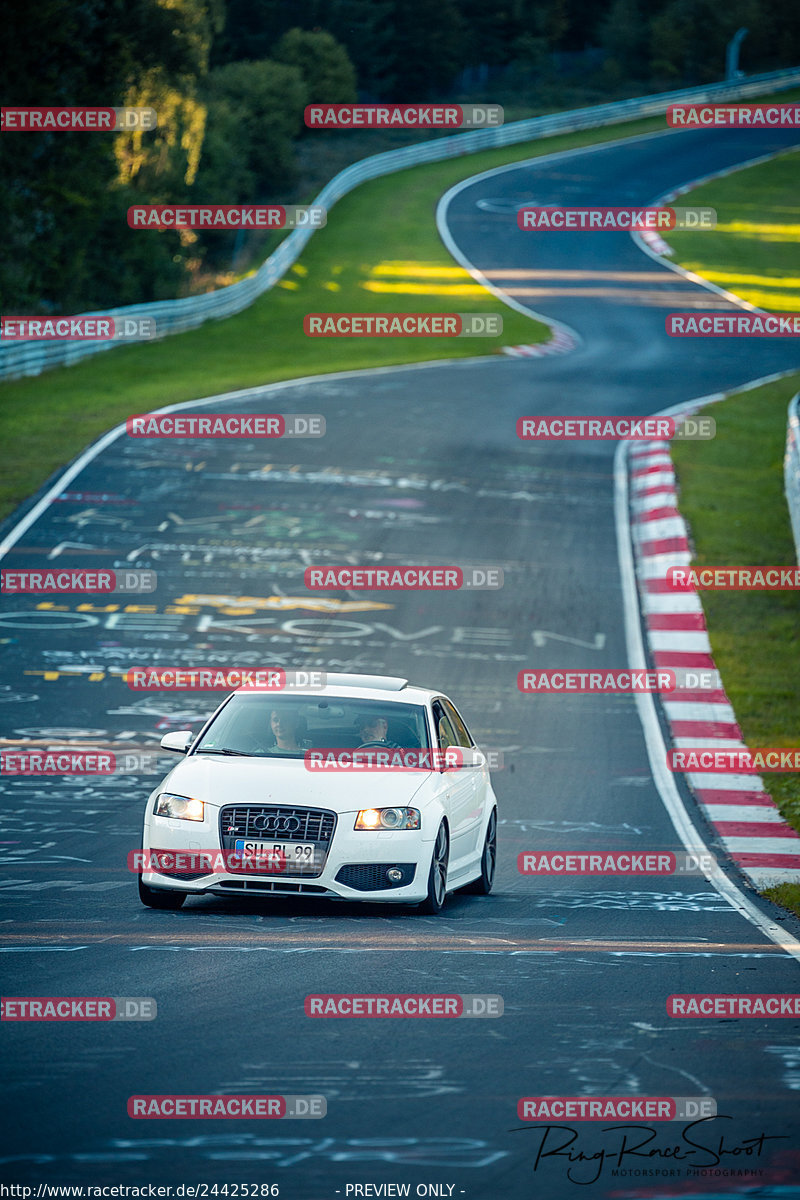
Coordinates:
(460,794)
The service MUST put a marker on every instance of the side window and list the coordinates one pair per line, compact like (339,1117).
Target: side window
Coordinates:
(445,734)
(461,731)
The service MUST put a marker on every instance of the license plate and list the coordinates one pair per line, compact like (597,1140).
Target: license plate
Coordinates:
(276,856)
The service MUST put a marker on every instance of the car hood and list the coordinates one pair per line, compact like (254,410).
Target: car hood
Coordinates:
(218,781)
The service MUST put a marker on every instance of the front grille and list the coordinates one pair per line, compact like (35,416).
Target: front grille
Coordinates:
(279,823)
(185,876)
(371,877)
(267,822)
(263,885)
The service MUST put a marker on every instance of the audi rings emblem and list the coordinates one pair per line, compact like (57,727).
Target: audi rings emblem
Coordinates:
(274,823)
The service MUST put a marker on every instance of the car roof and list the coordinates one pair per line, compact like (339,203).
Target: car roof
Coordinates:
(388,688)
(381,683)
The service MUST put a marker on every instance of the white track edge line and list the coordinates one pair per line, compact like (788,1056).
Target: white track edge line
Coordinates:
(645,703)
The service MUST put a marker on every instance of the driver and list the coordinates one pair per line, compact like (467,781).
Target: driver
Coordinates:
(288,731)
(372,731)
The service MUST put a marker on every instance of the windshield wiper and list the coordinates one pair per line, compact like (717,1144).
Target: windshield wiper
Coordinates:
(221,750)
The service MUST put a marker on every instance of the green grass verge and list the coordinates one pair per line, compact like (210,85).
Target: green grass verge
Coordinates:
(732,487)
(755,250)
(381,235)
(731,493)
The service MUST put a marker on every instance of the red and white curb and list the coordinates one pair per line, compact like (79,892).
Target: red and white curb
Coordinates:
(560,343)
(741,812)
(655,242)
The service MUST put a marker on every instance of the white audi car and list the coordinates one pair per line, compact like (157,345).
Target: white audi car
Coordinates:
(368,788)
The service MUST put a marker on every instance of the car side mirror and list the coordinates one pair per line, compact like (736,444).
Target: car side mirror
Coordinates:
(179,741)
(456,757)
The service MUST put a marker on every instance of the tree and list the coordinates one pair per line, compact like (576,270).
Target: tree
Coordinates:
(688,38)
(58,189)
(255,109)
(323,63)
(427,50)
(488,31)
(363,27)
(252,27)
(623,36)
(773,38)
(366,30)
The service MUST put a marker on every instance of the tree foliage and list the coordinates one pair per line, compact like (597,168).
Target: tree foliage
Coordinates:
(63,195)
(324,67)
(229,80)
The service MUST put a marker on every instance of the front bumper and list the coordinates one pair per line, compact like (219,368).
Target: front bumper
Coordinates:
(354,865)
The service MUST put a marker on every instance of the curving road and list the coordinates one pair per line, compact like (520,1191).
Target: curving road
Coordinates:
(421,465)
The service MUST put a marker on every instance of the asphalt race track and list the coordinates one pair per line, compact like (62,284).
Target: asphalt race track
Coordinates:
(420,465)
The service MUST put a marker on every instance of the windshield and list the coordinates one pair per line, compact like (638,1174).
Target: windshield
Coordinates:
(286,727)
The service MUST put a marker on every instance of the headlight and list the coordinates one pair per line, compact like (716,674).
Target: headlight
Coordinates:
(182,807)
(387,818)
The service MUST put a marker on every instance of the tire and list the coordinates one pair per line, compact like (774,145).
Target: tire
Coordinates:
(437,875)
(483,885)
(159,899)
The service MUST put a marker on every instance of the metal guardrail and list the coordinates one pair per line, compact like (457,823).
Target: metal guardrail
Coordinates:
(791,469)
(174,316)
